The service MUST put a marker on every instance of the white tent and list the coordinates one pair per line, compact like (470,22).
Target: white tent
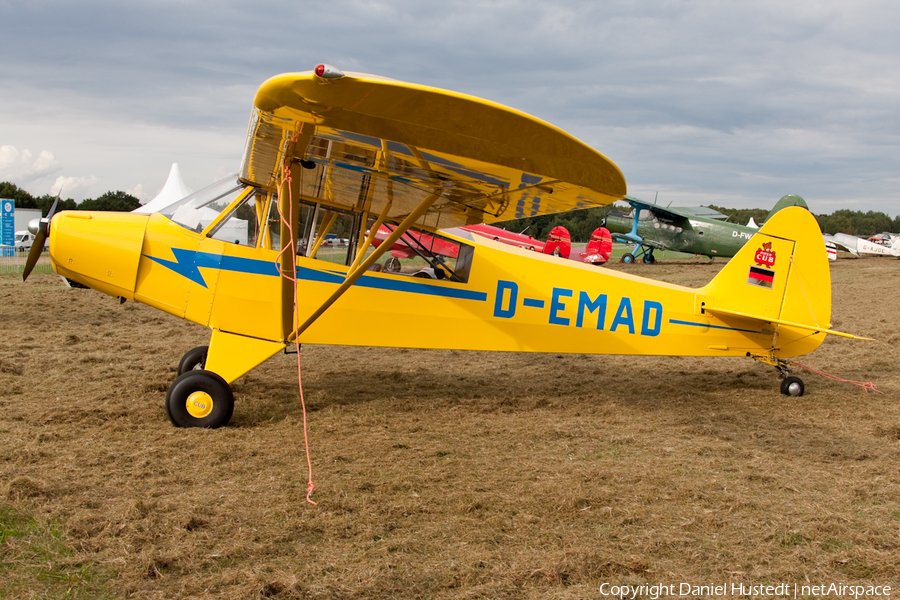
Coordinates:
(175,189)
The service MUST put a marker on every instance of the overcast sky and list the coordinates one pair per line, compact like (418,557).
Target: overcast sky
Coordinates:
(733,103)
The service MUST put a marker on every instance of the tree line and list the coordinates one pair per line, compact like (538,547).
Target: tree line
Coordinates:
(114,201)
(580,223)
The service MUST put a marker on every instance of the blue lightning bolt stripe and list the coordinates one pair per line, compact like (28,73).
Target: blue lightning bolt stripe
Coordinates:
(188,262)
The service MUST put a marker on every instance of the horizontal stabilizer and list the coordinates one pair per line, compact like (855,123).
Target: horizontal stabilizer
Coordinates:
(788,323)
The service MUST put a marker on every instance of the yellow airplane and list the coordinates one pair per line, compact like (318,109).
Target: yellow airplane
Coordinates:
(283,252)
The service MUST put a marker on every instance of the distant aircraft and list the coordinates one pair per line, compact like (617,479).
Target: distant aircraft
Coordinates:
(856,245)
(654,227)
(329,152)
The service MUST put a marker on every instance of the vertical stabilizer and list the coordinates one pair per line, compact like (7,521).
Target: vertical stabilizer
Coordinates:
(781,276)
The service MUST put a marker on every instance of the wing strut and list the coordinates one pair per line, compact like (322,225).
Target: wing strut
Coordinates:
(356,273)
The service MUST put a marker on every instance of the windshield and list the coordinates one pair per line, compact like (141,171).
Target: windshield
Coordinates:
(200,208)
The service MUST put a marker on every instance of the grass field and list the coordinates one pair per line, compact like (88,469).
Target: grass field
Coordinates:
(441,474)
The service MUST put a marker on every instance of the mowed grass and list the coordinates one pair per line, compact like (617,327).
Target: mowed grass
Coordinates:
(440,474)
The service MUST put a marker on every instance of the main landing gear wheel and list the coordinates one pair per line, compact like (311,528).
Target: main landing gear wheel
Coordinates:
(649,259)
(628,258)
(199,399)
(792,386)
(193,360)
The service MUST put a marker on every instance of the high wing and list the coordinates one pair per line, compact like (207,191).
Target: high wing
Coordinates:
(671,217)
(673,213)
(699,211)
(369,144)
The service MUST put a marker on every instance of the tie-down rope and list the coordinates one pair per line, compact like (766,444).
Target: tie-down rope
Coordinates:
(866,385)
(286,178)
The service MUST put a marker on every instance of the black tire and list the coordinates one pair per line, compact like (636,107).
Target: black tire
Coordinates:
(792,386)
(193,360)
(649,259)
(210,397)
(628,258)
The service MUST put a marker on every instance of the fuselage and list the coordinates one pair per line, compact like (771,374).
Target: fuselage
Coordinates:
(506,298)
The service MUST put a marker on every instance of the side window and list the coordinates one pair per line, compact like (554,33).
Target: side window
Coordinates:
(423,254)
(331,236)
(273,226)
(241,226)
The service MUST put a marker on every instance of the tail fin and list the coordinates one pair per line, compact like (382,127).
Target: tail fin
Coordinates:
(786,201)
(781,276)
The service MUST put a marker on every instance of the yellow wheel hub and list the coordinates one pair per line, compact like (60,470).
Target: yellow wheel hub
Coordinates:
(199,404)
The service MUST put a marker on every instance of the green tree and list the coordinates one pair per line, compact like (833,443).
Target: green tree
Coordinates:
(46,201)
(23,199)
(114,201)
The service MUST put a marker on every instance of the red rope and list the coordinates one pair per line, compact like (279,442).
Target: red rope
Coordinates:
(866,385)
(310,486)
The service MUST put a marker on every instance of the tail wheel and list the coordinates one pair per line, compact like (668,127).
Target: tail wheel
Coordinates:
(193,360)
(792,386)
(628,258)
(199,399)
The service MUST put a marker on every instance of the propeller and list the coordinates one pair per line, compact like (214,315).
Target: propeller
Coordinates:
(40,237)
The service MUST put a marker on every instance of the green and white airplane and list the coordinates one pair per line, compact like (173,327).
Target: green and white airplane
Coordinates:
(691,230)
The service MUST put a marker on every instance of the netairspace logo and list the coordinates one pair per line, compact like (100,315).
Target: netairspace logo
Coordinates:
(781,590)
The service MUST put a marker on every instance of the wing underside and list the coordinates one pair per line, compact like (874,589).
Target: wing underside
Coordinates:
(364,144)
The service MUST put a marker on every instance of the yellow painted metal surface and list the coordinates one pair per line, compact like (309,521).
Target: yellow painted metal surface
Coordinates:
(232,355)
(100,250)
(169,246)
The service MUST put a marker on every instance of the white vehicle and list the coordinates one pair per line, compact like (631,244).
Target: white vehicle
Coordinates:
(24,240)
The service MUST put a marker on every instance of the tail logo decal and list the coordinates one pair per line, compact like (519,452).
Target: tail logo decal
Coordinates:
(765,257)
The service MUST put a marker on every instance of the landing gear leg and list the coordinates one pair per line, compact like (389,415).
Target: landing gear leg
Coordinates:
(790,385)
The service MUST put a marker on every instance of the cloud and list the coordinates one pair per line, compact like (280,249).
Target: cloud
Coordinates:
(740,100)
(23,168)
(73,187)
(138,192)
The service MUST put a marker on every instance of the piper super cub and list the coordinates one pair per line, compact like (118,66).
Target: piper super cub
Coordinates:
(332,156)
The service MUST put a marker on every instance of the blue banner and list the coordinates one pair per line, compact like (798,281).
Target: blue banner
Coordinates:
(8,226)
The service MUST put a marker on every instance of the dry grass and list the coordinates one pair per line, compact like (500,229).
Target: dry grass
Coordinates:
(439,474)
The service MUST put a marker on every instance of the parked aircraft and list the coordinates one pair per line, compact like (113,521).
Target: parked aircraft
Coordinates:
(654,227)
(331,152)
(856,245)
